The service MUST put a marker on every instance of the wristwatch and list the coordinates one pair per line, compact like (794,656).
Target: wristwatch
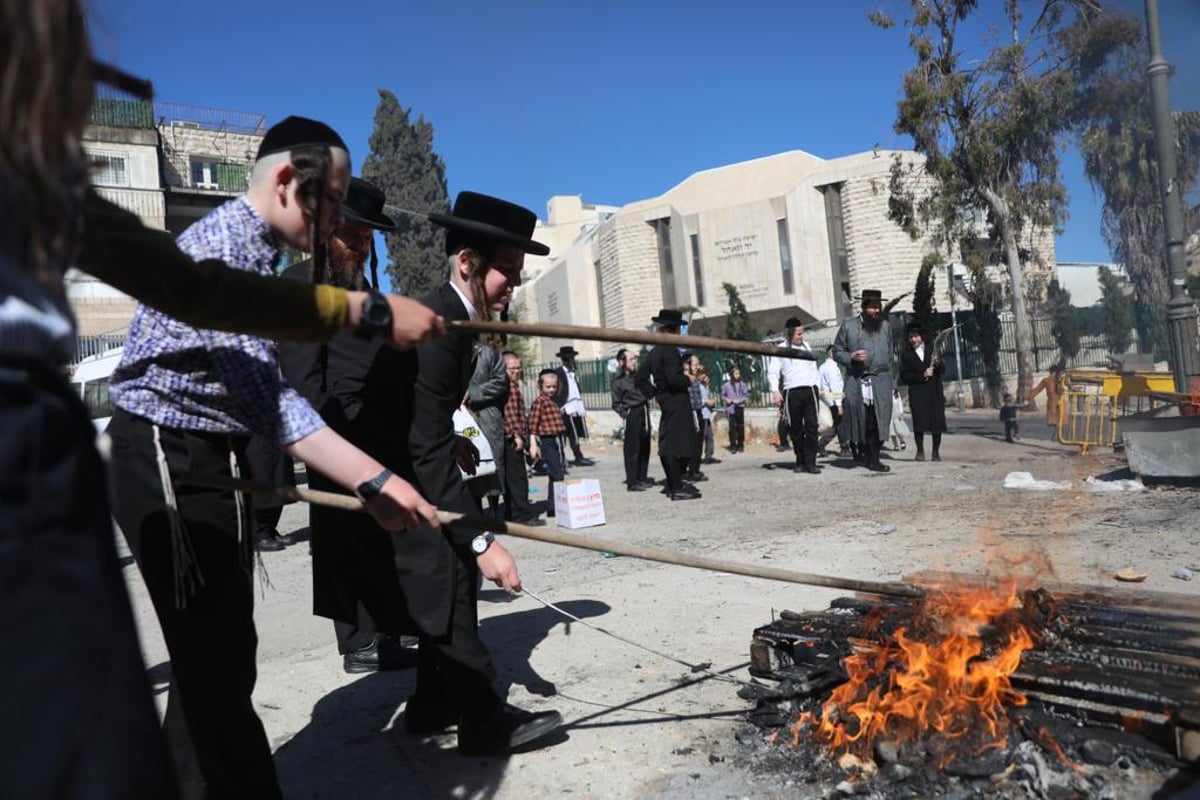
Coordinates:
(376,316)
(482,542)
(369,490)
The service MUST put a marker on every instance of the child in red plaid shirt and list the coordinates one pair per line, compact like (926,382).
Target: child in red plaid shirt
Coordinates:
(545,426)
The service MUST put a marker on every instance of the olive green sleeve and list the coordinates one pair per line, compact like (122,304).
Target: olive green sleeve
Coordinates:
(146,264)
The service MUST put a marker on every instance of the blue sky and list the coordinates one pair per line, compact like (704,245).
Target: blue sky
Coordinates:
(615,101)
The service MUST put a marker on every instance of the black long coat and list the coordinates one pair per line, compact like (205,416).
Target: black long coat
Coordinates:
(677,428)
(425,560)
(926,398)
(364,390)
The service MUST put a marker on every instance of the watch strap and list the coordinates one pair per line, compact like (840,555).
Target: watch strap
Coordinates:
(376,315)
(369,490)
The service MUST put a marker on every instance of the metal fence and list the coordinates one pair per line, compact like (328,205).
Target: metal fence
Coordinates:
(87,346)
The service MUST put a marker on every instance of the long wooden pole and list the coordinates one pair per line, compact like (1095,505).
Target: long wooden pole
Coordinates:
(346,502)
(625,336)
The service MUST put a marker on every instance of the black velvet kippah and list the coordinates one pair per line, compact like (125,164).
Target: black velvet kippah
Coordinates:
(296,132)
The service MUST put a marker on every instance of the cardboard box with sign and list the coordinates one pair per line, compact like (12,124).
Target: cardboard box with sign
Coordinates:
(578,503)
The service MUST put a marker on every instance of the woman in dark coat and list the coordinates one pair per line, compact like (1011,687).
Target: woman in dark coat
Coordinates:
(921,371)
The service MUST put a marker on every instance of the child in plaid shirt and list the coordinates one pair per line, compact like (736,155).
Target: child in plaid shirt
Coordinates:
(545,426)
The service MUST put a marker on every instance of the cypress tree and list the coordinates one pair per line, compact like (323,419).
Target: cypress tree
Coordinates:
(1065,326)
(403,163)
(924,305)
(739,325)
(1118,314)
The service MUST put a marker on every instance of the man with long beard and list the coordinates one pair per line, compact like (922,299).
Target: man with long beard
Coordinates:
(364,392)
(864,346)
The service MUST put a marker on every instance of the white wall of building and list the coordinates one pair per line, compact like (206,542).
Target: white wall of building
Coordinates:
(610,271)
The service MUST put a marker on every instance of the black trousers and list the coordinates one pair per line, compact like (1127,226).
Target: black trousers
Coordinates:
(874,442)
(674,468)
(576,430)
(351,637)
(79,721)
(838,430)
(737,428)
(637,445)
(209,631)
(457,667)
(516,483)
(802,415)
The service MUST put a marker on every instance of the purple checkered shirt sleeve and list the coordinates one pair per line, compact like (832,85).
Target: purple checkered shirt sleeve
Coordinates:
(200,380)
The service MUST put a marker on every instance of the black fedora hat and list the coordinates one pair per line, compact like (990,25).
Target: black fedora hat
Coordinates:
(915,327)
(479,218)
(668,316)
(567,352)
(871,296)
(364,206)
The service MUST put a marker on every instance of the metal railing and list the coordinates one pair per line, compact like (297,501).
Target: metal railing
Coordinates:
(208,118)
(116,109)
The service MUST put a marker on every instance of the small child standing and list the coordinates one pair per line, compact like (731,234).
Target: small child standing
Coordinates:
(1008,415)
(545,427)
(899,426)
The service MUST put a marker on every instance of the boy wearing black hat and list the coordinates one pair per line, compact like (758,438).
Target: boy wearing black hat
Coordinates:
(187,401)
(570,402)
(486,242)
(921,371)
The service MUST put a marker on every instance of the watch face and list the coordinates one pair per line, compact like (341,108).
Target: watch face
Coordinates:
(379,313)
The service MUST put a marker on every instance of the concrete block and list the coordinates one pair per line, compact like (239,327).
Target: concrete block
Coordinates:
(1164,453)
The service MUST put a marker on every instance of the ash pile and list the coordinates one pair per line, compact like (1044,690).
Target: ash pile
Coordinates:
(980,689)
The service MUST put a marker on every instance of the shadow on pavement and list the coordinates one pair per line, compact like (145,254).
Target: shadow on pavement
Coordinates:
(355,746)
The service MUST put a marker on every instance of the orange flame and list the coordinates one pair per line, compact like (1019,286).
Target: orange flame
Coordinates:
(934,680)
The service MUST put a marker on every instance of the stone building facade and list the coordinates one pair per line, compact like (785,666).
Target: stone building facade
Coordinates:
(169,164)
(797,235)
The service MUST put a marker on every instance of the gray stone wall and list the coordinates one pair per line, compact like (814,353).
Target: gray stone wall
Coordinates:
(632,288)
(881,255)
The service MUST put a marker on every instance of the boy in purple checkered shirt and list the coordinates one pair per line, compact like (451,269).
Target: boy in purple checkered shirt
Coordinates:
(187,401)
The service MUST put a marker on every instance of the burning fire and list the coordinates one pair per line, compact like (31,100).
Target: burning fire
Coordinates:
(948,676)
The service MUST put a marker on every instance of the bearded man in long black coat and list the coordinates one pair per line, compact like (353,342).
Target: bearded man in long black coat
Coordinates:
(864,347)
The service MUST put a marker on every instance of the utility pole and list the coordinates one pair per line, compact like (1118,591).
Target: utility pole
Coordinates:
(1181,313)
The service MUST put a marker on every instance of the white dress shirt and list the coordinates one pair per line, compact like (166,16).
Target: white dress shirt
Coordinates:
(832,386)
(796,372)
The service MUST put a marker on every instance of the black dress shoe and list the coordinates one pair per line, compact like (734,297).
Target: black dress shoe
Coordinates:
(919,457)
(426,716)
(635,487)
(711,461)
(583,462)
(878,466)
(505,730)
(810,469)
(267,543)
(936,457)
(532,522)
(384,654)
(685,492)
(647,483)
